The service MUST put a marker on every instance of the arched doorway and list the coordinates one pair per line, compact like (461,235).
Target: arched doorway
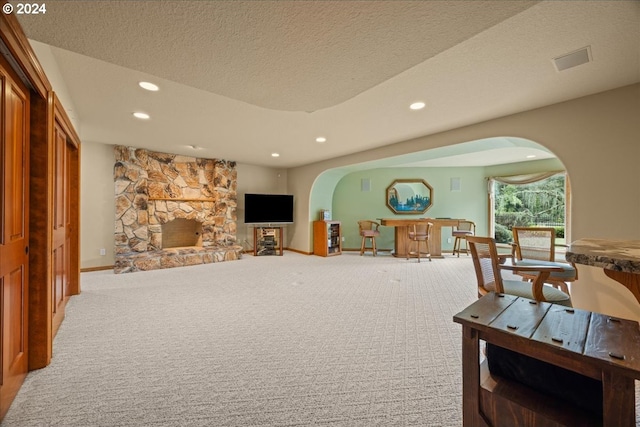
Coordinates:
(490,157)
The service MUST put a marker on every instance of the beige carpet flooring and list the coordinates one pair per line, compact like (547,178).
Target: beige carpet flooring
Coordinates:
(264,341)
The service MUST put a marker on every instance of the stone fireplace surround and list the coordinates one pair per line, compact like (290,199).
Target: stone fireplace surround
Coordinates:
(152,189)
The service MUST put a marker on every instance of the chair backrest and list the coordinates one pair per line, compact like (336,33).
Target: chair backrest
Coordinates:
(420,230)
(534,243)
(366,224)
(485,260)
(464,225)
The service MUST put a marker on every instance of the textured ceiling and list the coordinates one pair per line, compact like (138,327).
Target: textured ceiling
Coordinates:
(245,79)
(281,55)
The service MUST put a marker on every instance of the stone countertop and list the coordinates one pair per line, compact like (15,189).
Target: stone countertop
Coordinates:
(617,255)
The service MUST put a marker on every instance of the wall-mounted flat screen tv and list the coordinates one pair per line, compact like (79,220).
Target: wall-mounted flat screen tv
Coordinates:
(268,208)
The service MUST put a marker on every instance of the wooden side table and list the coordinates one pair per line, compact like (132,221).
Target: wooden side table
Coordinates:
(594,345)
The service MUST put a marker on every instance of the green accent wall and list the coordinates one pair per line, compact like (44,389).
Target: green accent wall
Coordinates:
(351,203)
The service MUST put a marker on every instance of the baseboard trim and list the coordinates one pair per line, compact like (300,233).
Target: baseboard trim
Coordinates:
(299,251)
(104,267)
(367,249)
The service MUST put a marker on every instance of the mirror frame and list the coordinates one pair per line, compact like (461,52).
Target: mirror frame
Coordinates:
(392,193)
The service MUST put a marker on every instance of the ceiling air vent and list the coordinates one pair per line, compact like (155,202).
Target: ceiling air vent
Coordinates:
(573,59)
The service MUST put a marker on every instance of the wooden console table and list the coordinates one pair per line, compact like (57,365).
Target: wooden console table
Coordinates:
(594,345)
(401,233)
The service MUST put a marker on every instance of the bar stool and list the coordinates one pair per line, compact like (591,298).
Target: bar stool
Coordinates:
(465,228)
(419,232)
(368,230)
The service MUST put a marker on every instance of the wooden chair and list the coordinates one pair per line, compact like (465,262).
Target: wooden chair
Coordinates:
(419,233)
(368,230)
(460,232)
(489,266)
(536,246)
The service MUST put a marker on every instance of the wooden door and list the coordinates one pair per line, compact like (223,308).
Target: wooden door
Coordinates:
(61,256)
(14,236)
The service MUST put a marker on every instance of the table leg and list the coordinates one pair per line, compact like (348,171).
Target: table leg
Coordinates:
(618,400)
(471,378)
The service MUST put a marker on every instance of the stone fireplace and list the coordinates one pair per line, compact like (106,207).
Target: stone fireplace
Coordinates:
(173,210)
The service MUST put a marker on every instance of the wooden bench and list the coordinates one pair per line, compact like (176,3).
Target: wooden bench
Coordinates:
(594,345)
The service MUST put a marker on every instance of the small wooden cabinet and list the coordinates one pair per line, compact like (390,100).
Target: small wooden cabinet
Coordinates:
(327,238)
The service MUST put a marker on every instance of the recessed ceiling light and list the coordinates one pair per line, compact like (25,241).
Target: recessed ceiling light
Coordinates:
(531,156)
(149,86)
(321,139)
(417,105)
(140,115)
(275,155)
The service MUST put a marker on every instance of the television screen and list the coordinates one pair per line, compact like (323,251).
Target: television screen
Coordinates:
(268,208)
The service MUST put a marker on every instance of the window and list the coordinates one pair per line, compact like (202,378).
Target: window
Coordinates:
(529,201)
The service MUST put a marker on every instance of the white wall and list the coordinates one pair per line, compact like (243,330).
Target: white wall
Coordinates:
(97,207)
(50,66)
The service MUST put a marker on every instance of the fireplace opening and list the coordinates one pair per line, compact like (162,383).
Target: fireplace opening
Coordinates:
(181,233)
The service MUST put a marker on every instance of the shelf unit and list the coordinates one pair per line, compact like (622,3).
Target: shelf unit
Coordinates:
(327,238)
(268,240)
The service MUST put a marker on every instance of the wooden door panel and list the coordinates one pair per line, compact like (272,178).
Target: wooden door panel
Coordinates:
(14,161)
(58,287)
(58,297)
(14,258)
(14,358)
(61,226)
(14,318)
(60,179)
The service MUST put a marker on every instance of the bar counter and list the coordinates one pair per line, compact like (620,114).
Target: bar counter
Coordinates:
(402,228)
(617,255)
(600,262)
